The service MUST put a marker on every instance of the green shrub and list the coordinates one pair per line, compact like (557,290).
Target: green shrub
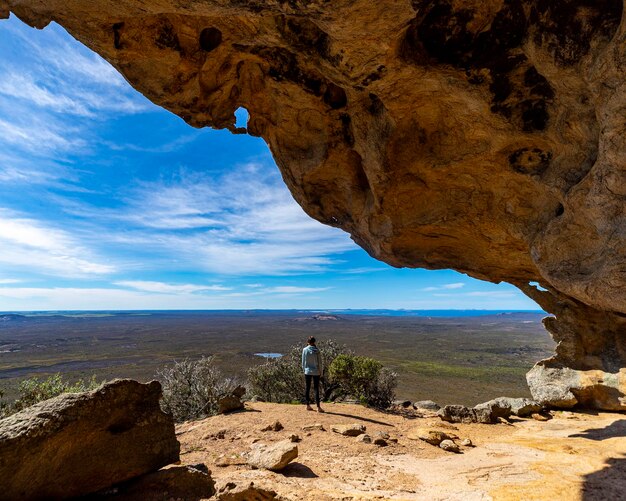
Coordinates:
(34,390)
(192,388)
(282,380)
(364,379)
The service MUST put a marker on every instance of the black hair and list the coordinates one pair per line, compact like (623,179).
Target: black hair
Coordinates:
(311,340)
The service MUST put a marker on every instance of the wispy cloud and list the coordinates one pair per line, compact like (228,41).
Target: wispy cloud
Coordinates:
(31,245)
(6,281)
(287,289)
(455,285)
(243,222)
(161,287)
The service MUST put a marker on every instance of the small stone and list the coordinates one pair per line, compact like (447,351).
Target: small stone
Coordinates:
(232,492)
(313,427)
(294,438)
(273,457)
(366,439)
(383,435)
(381,442)
(401,403)
(450,446)
(233,460)
(349,430)
(428,405)
(540,417)
(466,442)
(428,435)
(275,426)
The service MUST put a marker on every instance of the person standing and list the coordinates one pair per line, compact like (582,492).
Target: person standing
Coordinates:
(312,367)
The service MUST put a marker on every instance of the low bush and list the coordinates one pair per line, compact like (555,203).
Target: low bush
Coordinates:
(34,390)
(281,379)
(192,388)
(365,379)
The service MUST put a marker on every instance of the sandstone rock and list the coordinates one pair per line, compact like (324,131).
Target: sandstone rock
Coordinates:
(232,402)
(349,430)
(294,438)
(232,460)
(273,457)
(478,168)
(383,434)
(466,442)
(450,446)
(191,483)
(462,414)
(428,435)
(504,407)
(275,426)
(79,443)
(541,417)
(428,405)
(314,427)
(250,492)
(365,438)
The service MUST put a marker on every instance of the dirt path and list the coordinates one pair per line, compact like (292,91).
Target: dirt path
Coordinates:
(572,457)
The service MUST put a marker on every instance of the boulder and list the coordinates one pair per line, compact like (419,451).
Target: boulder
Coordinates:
(232,402)
(505,407)
(462,414)
(449,446)
(349,430)
(427,405)
(75,444)
(273,457)
(191,483)
(428,435)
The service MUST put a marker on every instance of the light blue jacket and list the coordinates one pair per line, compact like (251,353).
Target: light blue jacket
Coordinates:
(312,361)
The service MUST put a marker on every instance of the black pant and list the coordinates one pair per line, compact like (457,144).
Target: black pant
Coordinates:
(316,386)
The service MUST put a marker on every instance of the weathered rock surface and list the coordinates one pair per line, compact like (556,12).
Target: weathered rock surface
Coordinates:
(273,457)
(349,430)
(179,482)
(79,443)
(504,407)
(462,414)
(484,136)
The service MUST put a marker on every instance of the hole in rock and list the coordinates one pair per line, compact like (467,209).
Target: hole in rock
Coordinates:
(560,210)
(210,39)
(537,286)
(241,118)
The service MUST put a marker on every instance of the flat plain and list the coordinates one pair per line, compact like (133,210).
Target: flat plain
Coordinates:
(464,360)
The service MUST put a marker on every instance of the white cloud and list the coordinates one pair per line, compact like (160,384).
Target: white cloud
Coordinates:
(161,287)
(6,281)
(29,244)
(456,285)
(243,222)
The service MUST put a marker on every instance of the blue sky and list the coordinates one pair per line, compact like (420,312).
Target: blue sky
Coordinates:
(109,202)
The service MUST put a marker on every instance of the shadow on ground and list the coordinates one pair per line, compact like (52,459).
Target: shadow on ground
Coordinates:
(614,430)
(358,418)
(606,484)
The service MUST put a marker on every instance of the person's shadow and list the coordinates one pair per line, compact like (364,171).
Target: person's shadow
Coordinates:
(606,484)
(358,418)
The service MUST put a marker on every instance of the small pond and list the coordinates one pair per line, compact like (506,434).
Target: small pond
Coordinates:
(269,355)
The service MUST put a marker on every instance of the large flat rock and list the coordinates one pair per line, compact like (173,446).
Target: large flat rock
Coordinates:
(79,443)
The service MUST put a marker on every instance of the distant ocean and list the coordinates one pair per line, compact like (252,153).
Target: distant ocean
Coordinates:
(364,312)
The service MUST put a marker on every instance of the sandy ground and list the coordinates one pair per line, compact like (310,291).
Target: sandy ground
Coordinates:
(574,456)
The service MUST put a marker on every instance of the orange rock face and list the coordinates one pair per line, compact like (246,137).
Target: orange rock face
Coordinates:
(484,136)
